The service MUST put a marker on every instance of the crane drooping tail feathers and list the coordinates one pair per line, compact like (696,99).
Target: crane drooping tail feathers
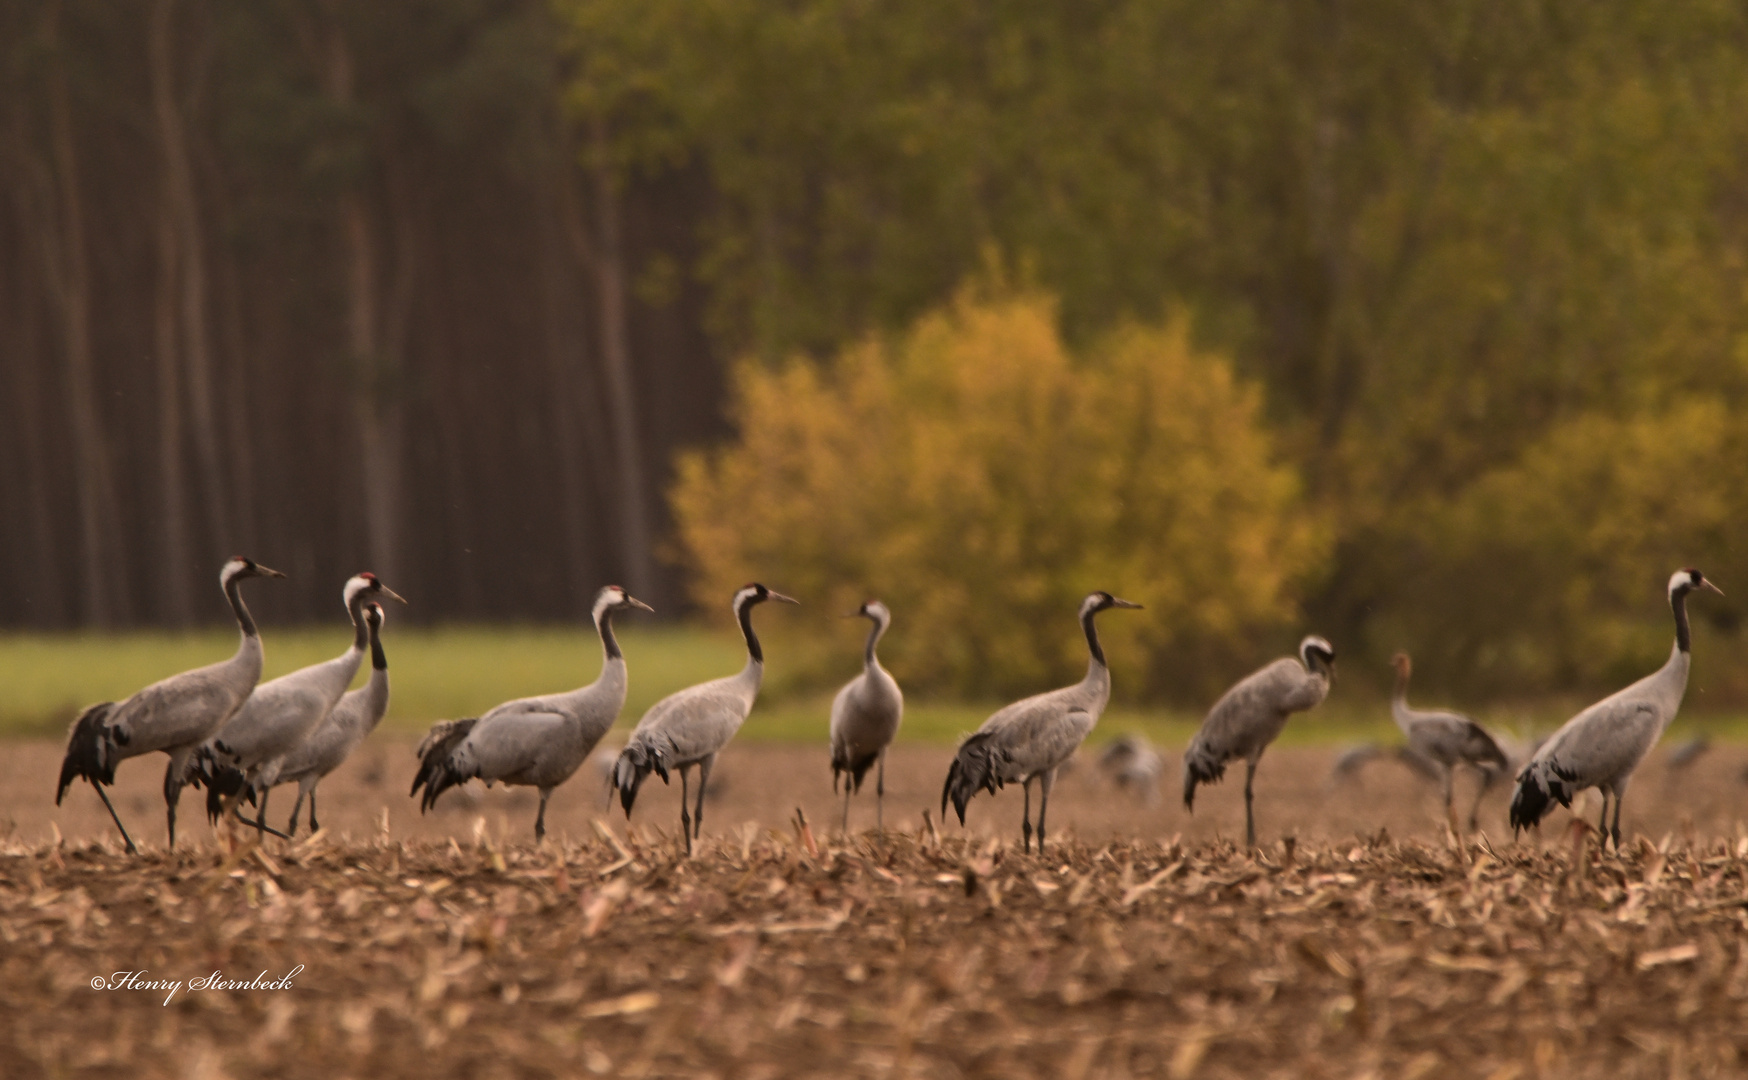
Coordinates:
(975,768)
(635,763)
(438,769)
(90,750)
(853,769)
(221,779)
(1540,785)
(1201,766)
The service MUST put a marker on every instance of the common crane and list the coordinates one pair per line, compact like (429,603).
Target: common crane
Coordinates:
(1601,746)
(1030,739)
(1447,740)
(174,715)
(245,757)
(1247,718)
(533,742)
(689,727)
(865,716)
(1133,764)
(340,733)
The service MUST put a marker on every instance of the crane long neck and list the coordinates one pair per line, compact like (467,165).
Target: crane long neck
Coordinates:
(1400,695)
(360,626)
(874,633)
(609,643)
(234,593)
(378,661)
(1092,638)
(1678,601)
(755,654)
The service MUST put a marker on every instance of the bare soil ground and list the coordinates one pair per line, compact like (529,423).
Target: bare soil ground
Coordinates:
(1143,944)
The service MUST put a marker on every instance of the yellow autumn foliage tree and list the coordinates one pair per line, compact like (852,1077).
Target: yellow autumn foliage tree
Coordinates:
(1552,571)
(981,479)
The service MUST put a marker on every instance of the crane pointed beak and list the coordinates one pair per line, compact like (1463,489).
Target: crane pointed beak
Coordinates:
(779,597)
(1706,583)
(1125,603)
(636,603)
(266,571)
(390,593)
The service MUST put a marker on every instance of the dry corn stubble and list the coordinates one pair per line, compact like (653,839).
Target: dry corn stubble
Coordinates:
(874,957)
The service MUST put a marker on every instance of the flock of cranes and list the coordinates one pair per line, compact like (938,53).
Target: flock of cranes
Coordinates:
(237,737)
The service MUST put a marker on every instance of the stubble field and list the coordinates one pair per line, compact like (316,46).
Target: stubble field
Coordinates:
(1145,943)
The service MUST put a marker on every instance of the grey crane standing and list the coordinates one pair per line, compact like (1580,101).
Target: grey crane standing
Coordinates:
(689,727)
(865,717)
(245,757)
(340,732)
(1031,738)
(174,715)
(1447,740)
(1601,746)
(1247,718)
(536,741)
(1134,765)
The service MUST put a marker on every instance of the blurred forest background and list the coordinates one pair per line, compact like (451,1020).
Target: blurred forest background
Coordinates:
(1419,325)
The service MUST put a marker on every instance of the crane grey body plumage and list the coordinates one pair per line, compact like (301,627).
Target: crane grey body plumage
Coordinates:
(1031,738)
(1447,740)
(244,759)
(533,742)
(864,718)
(174,715)
(1601,746)
(689,727)
(342,730)
(1249,716)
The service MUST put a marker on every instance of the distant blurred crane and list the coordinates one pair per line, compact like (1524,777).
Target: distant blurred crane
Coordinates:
(174,715)
(1601,746)
(1030,739)
(342,730)
(1248,717)
(691,726)
(1446,740)
(244,758)
(865,716)
(1134,765)
(1682,755)
(534,742)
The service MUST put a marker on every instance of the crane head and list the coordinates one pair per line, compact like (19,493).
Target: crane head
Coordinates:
(1688,579)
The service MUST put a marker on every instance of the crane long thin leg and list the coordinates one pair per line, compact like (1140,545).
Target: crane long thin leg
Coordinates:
(1619,794)
(313,826)
(698,810)
(846,824)
(540,818)
(174,772)
(296,808)
(880,793)
(131,849)
(260,824)
(1249,812)
(685,814)
(1602,822)
(1450,793)
(261,815)
(1026,815)
(1045,783)
(1486,779)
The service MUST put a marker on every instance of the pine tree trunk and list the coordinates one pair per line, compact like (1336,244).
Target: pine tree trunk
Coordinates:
(617,363)
(175,604)
(102,602)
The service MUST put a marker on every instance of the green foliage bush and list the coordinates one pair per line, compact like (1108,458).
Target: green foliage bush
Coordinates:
(980,478)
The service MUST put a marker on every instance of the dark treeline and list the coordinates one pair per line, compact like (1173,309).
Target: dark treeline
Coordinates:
(334,285)
(439,286)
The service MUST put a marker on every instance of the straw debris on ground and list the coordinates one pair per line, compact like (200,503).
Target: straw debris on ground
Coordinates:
(779,953)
